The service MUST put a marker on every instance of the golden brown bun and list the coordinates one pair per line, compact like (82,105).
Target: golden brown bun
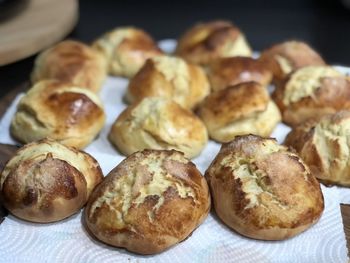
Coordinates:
(158,123)
(324,146)
(312,92)
(149,202)
(225,72)
(238,110)
(169,77)
(288,56)
(71,61)
(61,111)
(206,42)
(262,191)
(46,181)
(126,49)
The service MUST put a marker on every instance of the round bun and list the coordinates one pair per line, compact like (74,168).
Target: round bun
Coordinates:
(158,123)
(61,111)
(169,77)
(71,61)
(238,110)
(312,92)
(205,42)
(262,191)
(225,72)
(46,181)
(149,202)
(288,56)
(324,146)
(126,49)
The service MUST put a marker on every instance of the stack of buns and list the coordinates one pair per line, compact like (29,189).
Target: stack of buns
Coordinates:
(209,87)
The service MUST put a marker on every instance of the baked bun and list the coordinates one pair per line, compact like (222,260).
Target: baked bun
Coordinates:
(262,191)
(126,49)
(288,56)
(61,111)
(224,72)
(237,110)
(158,123)
(324,146)
(312,92)
(71,61)
(149,202)
(169,77)
(205,42)
(46,181)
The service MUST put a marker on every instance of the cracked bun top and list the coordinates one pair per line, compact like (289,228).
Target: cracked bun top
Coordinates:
(59,110)
(158,123)
(237,110)
(324,145)
(73,62)
(149,202)
(46,181)
(126,49)
(263,191)
(312,92)
(172,78)
(288,56)
(208,41)
(224,72)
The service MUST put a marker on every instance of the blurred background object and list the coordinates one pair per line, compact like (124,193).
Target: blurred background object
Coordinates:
(321,23)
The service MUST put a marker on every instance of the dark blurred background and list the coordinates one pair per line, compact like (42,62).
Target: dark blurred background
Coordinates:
(324,24)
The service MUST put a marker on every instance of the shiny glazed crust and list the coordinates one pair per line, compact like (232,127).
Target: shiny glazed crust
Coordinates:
(172,78)
(149,202)
(46,181)
(224,72)
(237,110)
(324,146)
(61,111)
(126,49)
(206,42)
(73,62)
(312,92)
(158,123)
(262,191)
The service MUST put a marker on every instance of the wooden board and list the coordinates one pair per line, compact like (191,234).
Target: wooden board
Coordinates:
(42,23)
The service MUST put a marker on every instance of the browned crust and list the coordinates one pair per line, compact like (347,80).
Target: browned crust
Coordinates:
(333,95)
(291,199)
(202,51)
(233,103)
(71,61)
(298,54)
(225,72)
(175,219)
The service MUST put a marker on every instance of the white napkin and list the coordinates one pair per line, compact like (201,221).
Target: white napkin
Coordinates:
(68,241)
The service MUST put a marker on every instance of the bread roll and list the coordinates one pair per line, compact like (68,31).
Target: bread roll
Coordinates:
(61,111)
(71,61)
(158,123)
(312,92)
(283,58)
(126,49)
(205,42)
(46,181)
(262,191)
(149,202)
(225,72)
(237,110)
(324,146)
(169,77)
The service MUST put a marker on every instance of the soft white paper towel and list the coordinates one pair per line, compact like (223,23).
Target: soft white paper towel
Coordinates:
(68,241)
